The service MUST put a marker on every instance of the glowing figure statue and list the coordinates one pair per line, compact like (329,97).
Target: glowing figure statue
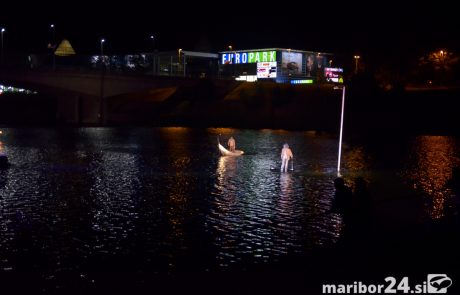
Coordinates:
(231,144)
(286,155)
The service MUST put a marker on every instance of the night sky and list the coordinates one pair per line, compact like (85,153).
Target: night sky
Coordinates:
(348,27)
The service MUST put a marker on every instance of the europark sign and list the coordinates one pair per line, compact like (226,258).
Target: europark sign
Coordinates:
(248,57)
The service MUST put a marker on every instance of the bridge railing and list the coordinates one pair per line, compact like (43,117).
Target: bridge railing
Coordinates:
(133,64)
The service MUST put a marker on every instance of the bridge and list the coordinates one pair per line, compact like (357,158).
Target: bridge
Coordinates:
(95,97)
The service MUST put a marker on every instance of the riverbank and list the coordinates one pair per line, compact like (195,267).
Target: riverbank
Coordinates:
(209,103)
(293,107)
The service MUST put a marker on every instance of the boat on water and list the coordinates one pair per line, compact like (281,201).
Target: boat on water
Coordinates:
(225,152)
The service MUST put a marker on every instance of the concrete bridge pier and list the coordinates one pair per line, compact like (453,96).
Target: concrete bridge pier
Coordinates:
(79,109)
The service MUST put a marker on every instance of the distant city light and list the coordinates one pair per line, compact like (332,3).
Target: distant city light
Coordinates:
(334,75)
(11,89)
(356,63)
(303,81)
(247,78)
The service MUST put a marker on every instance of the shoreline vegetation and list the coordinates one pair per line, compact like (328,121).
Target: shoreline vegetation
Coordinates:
(214,103)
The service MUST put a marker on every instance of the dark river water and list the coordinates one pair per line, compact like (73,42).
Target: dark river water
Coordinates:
(84,208)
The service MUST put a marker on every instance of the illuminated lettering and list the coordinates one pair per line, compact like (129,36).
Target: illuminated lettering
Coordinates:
(224,58)
(249,57)
(257,59)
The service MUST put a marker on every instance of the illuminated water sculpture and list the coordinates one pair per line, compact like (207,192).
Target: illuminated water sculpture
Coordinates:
(225,152)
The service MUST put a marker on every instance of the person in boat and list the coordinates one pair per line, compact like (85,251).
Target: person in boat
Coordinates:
(231,144)
(286,155)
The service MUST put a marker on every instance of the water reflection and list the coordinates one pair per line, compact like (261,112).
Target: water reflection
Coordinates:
(226,173)
(286,184)
(356,160)
(226,209)
(430,168)
(88,198)
(227,167)
(1,143)
(114,192)
(286,217)
(262,215)
(179,184)
(285,201)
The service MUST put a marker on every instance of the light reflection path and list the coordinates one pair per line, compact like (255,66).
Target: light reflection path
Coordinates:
(430,168)
(262,215)
(115,198)
(164,197)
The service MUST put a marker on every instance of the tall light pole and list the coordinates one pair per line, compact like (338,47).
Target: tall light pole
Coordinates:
(102,47)
(179,52)
(153,54)
(357,57)
(185,64)
(442,57)
(341,131)
(3,31)
(232,58)
(101,102)
(230,48)
(53,45)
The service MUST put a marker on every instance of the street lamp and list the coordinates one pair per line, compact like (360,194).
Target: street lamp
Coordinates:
(53,45)
(442,55)
(232,59)
(153,54)
(230,48)
(178,59)
(102,47)
(3,31)
(356,63)
(184,62)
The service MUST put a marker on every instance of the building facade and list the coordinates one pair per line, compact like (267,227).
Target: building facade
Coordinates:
(279,65)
